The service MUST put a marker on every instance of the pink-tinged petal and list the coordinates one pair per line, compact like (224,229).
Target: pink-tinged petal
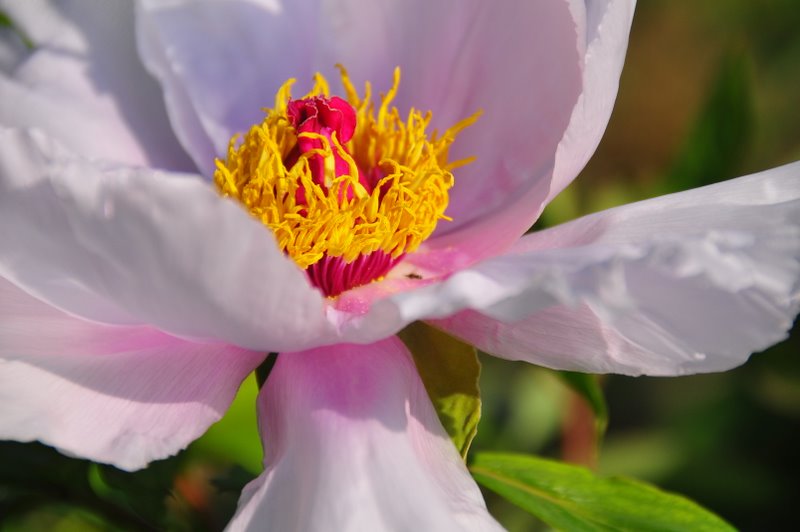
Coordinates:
(690,282)
(221,62)
(162,248)
(83,84)
(602,38)
(603,30)
(517,61)
(352,443)
(119,395)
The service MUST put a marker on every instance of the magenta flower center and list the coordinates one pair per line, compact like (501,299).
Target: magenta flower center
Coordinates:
(347,188)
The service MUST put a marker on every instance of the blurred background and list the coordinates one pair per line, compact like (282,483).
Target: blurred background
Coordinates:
(710,91)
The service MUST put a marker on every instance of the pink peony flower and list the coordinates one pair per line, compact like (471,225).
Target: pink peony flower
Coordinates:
(135,299)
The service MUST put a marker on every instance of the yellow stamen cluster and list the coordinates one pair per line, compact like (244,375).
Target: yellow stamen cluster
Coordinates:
(395,217)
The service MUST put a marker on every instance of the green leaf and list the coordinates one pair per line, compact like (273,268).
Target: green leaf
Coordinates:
(588,387)
(716,145)
(450,370)
(569,497)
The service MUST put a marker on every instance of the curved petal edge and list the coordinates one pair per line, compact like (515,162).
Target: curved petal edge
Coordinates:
(119,395)
(134,245)
(686,283)
(353,443)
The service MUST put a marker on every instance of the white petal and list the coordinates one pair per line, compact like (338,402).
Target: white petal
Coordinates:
(572,338)
(517,61)
(220,63)
(603,34)
(12,49)
(163,249)
(119,395)
(352,443)
(85,86)
(40,22)
(544,73)
(43,21)
(686,283)
(602,38)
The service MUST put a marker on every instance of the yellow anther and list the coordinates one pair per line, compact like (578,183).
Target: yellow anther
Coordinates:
(340,217)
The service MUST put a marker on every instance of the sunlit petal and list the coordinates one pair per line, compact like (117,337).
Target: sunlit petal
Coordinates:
(687,283)
(353,443)
(161,248)
(83,83)
(119,395)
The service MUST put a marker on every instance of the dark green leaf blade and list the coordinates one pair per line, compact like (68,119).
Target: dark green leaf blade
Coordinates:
(450,371)
(569,497)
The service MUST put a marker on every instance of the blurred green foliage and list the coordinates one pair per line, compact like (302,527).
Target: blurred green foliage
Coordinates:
(717,143)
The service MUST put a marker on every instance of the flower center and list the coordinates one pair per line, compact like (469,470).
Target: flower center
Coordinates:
(347,189)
